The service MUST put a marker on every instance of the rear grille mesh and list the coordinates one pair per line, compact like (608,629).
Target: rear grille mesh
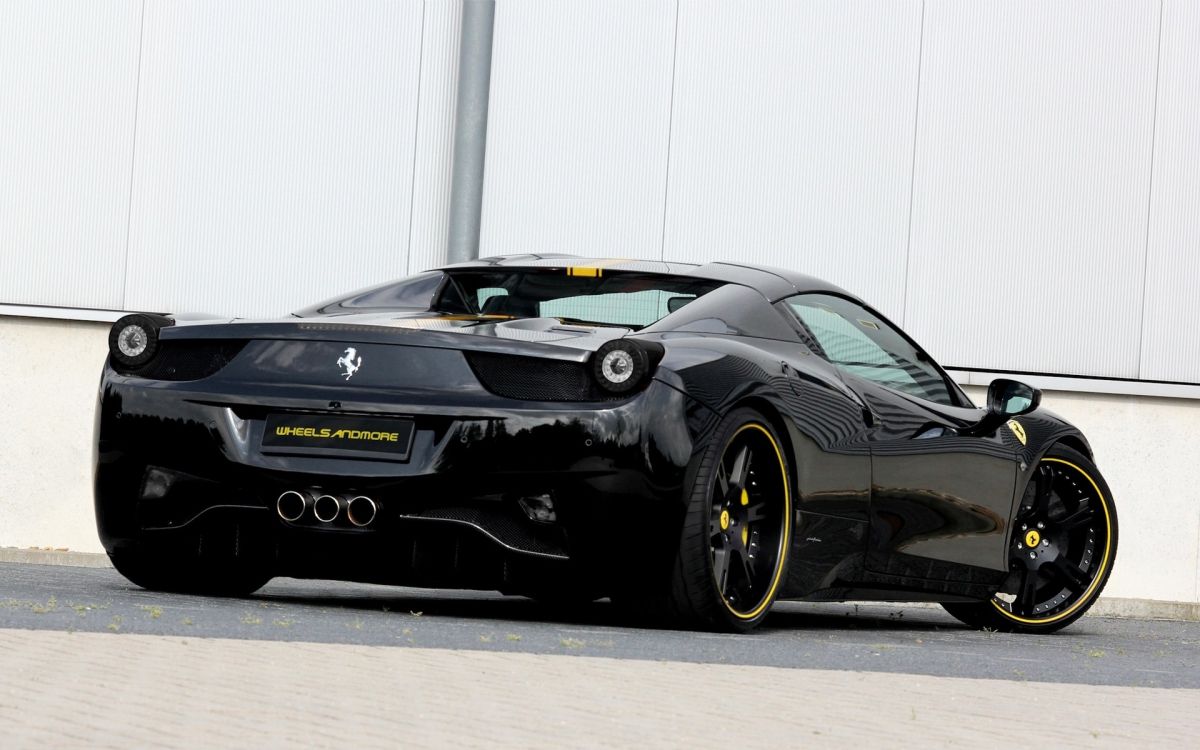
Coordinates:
(187,360)
(535,379)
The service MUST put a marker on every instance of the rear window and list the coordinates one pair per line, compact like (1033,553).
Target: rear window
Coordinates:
(631,300)
(412,293)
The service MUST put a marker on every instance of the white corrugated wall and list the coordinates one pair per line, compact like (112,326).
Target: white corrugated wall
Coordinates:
(1017,184)
(1170,347)
(68,90)
(223,156)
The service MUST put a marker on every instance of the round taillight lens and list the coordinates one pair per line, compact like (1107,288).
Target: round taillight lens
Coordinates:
(133,339)
(620,366)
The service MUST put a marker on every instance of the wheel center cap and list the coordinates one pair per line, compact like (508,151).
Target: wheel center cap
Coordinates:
(724,520)
(1032,538)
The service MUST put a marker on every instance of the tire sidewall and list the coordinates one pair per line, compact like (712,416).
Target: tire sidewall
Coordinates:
(695,552)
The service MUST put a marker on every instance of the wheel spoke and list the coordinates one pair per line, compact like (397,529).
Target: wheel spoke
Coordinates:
(740,468)
(721,567)
(755,512)
(1027,596)
(1043,485)
(722,480)
(1081,517)
(744,569)
(1069,574)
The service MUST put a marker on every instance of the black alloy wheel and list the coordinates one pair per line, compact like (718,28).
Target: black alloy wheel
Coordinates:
(1064,540)
(733,551)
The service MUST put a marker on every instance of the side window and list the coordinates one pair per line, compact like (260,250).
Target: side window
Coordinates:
(486,293)
(857,341)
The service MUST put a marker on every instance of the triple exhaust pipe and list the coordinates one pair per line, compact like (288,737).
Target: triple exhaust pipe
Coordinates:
(359,510)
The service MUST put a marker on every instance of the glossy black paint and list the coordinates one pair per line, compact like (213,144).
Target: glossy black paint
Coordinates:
(892,498)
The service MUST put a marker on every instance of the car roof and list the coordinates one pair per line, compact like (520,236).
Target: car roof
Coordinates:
(773,283)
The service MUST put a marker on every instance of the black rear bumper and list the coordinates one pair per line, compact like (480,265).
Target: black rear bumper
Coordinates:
(182,464)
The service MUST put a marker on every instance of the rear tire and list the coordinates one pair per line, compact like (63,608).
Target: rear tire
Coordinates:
(1062,551)
(732,556)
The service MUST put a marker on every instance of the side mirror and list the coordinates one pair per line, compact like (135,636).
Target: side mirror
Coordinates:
(1005,399)
(1010,398)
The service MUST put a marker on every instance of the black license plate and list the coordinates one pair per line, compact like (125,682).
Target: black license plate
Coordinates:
(309,433)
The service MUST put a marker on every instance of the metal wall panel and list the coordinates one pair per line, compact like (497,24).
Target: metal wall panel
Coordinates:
(1032,182)
(577,127)
(274,156)
(68,77)
(1170,343)
(792,139)
(442,29)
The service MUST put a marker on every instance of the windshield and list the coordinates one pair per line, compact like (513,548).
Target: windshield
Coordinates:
(630,300)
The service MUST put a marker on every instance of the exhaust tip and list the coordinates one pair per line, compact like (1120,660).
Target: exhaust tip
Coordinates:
(291,505)
(361,511)
(326,508)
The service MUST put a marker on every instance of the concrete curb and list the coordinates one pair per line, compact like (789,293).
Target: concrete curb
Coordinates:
(34,556)
(1134,609)
(1145,609)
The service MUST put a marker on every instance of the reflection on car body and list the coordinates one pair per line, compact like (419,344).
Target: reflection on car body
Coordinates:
(694,442)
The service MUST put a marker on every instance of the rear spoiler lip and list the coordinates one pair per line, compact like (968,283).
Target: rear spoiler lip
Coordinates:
(571,349)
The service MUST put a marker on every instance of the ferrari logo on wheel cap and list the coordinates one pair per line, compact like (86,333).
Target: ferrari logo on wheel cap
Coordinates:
(1033,539)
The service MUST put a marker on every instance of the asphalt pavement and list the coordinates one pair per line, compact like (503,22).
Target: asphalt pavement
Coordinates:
(847,637)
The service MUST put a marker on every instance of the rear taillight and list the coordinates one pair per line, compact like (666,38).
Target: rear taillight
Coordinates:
(622,366)
(616,370)
(133,340)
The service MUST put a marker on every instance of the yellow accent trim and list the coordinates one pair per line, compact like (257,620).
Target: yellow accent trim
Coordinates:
(724,520)
(578,271)
(1018,429)
(1099,573)
(595,268)
(745,497)
(745,535)
(787,528)
(1033,539)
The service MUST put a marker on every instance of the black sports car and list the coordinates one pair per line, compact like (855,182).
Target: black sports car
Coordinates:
(694,442)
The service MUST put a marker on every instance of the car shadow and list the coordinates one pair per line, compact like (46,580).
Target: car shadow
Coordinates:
(472,605)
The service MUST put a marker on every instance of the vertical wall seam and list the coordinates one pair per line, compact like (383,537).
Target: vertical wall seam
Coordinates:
(912,177)
(1195,593)
(662,248)
(412,190)
(1150,193)
(137,97)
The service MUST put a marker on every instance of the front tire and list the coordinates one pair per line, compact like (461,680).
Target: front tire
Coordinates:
(732,556)
(1061,553)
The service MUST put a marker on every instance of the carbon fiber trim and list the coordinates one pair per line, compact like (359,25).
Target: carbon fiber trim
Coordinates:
(505,530)
(534,379)
(186,360)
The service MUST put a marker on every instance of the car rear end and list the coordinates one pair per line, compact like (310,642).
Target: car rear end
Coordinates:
(390,449)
